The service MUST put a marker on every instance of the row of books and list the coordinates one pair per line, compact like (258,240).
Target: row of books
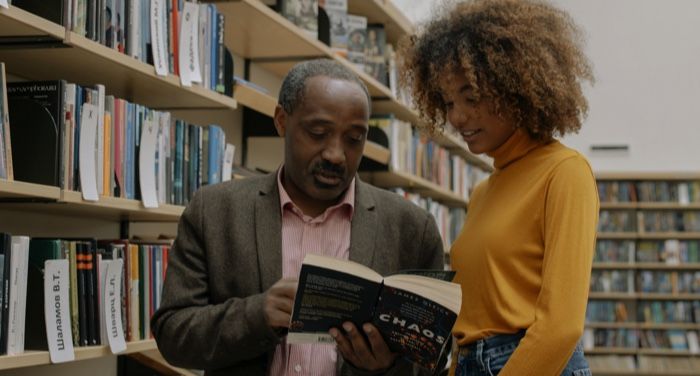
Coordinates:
(649,221)
(683,192)
(651,312)
(647,281)
(28,286)
(176,36)
(670,339)
(670,251)
(79,138)
(415,154)
(449,220)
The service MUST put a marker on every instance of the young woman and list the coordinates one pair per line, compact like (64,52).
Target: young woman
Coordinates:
(507,75)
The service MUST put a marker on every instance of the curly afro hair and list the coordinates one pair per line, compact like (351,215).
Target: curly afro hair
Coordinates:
(524,55)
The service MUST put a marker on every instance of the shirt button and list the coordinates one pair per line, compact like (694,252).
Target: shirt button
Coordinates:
(297,368)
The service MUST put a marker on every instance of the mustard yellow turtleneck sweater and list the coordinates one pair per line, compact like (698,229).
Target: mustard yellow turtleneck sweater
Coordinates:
(524,255)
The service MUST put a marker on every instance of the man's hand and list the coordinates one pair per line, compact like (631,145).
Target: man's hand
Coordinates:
(279,302)
(374,356)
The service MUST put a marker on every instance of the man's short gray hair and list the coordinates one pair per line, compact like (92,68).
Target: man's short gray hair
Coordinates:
(292,91)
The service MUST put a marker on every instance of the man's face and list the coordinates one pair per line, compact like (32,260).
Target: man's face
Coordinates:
(324,139)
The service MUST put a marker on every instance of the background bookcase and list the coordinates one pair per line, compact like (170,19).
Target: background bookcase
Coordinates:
(265,46)
(644,306)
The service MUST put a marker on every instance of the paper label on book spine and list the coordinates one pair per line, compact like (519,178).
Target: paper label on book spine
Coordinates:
(228,162)
(189,45)
(57,311)
(88,135)
(147,162)
(113,306)
(160,56)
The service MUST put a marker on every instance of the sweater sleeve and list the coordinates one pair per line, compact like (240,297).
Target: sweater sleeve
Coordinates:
(569,231)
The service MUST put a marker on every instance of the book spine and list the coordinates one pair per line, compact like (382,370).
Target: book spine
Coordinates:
(82,294)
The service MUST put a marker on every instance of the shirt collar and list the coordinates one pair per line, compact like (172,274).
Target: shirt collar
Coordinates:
(516,146)
(348,199)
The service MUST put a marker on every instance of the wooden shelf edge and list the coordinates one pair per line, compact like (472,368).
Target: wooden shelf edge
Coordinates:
(122,204)
(633,176)
(377,152)
(31,21)
(255,99)
(393,179)
(148,71)
(20,189)
(37,358)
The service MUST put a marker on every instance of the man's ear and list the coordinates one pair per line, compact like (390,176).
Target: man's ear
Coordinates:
(280,120)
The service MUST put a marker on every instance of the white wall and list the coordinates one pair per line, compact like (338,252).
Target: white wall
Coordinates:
(646,57)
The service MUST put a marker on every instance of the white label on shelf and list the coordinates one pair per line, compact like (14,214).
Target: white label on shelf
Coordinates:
(228,162)
(189,45)
(160,56)
(57,311)
(87,162)
(4,4)
(147,162)
(113,306)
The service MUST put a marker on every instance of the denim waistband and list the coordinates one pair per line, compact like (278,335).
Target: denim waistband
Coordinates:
(493,341)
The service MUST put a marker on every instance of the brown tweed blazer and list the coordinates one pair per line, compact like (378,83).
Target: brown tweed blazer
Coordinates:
(228,253)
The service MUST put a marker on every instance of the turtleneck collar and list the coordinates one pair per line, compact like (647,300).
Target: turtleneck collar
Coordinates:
(515,147)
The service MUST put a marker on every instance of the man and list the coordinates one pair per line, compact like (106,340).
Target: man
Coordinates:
(231,277)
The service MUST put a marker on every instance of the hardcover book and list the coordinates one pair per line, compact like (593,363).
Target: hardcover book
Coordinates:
(303,13)
(414,313)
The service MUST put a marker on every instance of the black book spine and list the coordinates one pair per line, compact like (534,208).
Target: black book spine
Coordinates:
(6,246)
(81,255)
(95,294)
(90,285)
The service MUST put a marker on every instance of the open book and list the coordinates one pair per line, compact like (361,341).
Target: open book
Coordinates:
(414,313)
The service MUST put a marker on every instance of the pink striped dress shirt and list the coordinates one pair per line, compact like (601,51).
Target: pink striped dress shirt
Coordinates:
(329,235)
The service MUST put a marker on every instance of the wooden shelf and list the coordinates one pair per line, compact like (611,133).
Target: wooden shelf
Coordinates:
(617,235)
(21,191)
(611,295)
(396,24)
(637,372)
(376,152)
(255,99)
(649,206)
(122,75)
(37,358)
(258,33)
(643,325)
(641,296)
(645,265)
(119,208)
(16,22)
(611,350)
(669,235)
(154,360)
(665,352)
(410,182)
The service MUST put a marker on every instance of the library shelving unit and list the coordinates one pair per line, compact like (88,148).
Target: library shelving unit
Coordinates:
(644,306)
(36,49)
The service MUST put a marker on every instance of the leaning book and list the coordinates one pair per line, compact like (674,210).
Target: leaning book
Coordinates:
(413,312)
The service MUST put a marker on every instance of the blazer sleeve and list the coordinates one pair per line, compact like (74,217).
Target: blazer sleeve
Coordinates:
(432,248)
(189,330)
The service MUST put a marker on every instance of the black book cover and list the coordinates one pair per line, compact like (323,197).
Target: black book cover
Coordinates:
(94,273)
(36,130)
(52,10)
(40,250)
(81,254)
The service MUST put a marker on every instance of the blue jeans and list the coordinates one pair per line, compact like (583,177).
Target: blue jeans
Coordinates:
(486,357)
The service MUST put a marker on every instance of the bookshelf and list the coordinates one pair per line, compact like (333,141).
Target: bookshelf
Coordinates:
(647,246)
(35,49)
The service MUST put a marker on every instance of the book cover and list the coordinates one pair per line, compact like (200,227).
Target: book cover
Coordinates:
(303,13)
(413,312)
(357,38)
(36,130)
(375,50)
(337,11)
(40,250)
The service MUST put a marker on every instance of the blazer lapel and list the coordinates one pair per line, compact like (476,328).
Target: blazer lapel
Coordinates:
(268,232)
(364,226)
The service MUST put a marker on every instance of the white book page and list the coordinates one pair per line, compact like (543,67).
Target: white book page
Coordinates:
(147,162)
(160,56)
(57,311)
(112,306)
(88,134)
(189,45)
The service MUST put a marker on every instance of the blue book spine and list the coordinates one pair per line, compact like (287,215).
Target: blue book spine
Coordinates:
(179,146)
(214,167)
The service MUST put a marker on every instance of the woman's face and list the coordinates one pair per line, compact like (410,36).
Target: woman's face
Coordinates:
(476,121)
